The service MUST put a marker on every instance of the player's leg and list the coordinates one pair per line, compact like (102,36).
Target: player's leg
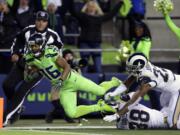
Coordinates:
(19,97)
(12,80)
(58,109)
(174,110)
(87,85)
(69,102)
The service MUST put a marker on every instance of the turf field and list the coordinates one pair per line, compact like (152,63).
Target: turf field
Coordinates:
(90,127)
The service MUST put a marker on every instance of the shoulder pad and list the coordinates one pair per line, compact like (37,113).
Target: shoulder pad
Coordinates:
(52,48)
(28,58)
(51,51)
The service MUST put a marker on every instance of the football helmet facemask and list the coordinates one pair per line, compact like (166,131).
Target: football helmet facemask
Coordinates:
(135,63)
(36,44)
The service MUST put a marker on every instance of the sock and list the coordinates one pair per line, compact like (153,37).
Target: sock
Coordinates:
(58,107)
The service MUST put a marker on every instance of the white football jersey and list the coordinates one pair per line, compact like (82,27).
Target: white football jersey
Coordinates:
(160,78)
(142,117)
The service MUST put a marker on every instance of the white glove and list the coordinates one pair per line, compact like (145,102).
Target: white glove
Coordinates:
(108,96)
(110,118)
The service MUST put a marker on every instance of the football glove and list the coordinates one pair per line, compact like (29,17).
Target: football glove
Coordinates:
(110,118)
(56,85)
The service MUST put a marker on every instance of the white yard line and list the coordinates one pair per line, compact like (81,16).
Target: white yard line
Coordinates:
(59,127)
(54,132)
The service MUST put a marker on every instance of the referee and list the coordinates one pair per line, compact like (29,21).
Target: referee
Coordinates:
(15,79)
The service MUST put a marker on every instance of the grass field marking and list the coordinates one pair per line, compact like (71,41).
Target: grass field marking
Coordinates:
(54,132)
(60,127)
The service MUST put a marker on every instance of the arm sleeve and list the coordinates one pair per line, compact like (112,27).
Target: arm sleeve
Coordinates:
(111,14)
(144,47)
(73,12)
(19,42)
(172,26)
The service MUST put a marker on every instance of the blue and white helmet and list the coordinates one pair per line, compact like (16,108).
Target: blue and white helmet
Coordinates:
(135,63)
(36,39)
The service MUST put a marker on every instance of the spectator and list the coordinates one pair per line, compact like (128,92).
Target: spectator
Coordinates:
(91,19)
(24,15)
(105,5)
(140,42)
(55,21)
(8,26)
(141,38)
(137,12)
(165,7)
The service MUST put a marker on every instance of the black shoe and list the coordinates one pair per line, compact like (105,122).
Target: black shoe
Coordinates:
(49,117)
(17,115)
(69,120)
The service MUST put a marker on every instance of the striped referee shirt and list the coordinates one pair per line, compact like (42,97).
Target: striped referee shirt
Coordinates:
(20,42)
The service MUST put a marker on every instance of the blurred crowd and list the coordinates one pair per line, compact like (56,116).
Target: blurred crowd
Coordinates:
(74,17)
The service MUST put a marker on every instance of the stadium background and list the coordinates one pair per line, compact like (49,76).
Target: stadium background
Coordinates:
(165,52)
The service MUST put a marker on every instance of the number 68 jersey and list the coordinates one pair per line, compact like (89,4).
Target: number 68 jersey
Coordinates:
(142,117)
(163,79)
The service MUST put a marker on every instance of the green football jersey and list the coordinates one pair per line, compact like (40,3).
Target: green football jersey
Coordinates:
(46,63)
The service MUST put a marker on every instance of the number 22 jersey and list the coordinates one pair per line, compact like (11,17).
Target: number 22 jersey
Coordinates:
(160,78)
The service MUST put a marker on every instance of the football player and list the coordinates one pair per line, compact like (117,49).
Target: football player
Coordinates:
(150,76)
(140,116)
(49,63)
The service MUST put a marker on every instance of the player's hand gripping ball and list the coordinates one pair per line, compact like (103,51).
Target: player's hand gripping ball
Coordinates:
(57,84)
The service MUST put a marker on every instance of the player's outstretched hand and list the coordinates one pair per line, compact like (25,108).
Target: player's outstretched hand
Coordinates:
(110,118)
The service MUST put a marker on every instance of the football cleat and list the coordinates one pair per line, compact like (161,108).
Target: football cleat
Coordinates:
(105,107)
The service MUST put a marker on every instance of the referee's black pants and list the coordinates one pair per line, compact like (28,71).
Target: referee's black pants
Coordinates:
(16,90)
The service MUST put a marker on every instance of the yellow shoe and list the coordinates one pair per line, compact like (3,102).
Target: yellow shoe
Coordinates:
(105,107)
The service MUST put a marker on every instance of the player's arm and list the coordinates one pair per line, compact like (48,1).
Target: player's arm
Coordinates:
(129,81)
(130,104)
(145,84)
(18,45)
(137,96)
(121,88)
(66,68)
